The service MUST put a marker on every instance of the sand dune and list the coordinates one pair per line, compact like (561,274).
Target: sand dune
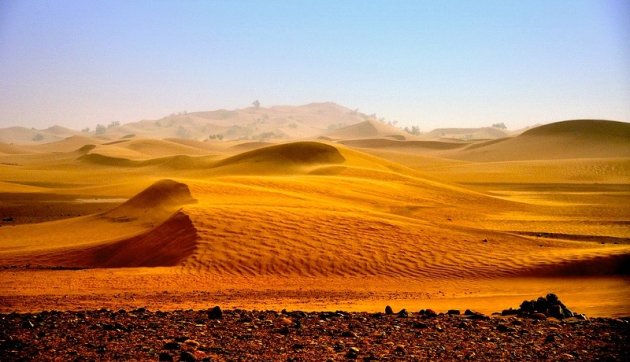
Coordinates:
(282,158)
(147,230)
(367,129)
(482,133)
(561,140)
(376,208)
(410,146)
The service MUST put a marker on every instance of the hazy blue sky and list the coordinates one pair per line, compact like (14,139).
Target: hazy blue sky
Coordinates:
(427,63)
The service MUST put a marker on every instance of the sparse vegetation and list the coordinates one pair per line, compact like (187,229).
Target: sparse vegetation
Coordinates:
(217,136)
(100,129)
(38,137)
(414,130)
(499,125)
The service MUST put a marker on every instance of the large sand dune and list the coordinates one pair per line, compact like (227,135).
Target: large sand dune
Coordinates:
(147,230)
(310,214)
(561,140)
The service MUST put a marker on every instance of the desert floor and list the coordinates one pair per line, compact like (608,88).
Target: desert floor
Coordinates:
(309,225)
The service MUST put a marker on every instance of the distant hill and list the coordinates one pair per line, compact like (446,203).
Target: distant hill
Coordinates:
(253,123)
(23,135)
(560,140)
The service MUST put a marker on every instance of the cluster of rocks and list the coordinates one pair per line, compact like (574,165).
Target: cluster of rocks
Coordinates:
(543,308)
(241,335)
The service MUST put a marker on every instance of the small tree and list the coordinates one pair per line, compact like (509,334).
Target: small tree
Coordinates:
(86,130)
(113,124)
(256,104)
(100,129)
(499,125)
(38,137)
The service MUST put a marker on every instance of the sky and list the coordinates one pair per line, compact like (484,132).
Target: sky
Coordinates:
(426,63)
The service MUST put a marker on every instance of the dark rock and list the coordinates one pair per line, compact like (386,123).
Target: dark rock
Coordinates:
(555,311)
(453,312)
(163,356)
(349,334)
(538,316)
(172,345)
(505,328)
(527,306)
(552,298)
(27,324)
(581,317)
(550,338)
(403,313)
(186,356)
(215,313)
(284,330)
(430,313)
(353,352)
(419,325)
(389,310)
(510,311)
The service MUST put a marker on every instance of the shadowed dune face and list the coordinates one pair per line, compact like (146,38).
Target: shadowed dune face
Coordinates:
(159,234)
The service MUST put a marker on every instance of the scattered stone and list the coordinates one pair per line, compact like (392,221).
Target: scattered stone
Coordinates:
(538,316)
(429,313)
(505,328)
(172,345)
(186,356)
(166,336)
(215,313)
(353,352)
(349,334)
(165,357)
(510,311)
(419,325)
(549,306)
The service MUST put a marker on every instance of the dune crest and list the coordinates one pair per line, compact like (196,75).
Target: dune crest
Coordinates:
(150,229)
(283,158)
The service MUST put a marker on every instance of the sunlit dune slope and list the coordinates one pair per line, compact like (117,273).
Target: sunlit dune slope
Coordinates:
(561,140)
(147,230)
(305,209)
(284,158)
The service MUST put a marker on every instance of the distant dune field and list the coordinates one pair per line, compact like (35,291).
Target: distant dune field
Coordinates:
(404,215)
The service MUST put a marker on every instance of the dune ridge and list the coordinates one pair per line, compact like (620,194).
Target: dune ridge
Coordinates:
(166,235)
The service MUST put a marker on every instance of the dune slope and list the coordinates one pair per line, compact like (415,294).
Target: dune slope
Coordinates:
(147,230)
(560,140)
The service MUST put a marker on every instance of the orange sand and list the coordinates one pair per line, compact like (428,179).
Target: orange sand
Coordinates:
(319,225)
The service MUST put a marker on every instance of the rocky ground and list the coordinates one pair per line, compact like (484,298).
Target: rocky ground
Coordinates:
(238,335)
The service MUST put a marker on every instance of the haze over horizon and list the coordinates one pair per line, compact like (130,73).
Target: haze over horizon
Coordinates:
(446,64)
